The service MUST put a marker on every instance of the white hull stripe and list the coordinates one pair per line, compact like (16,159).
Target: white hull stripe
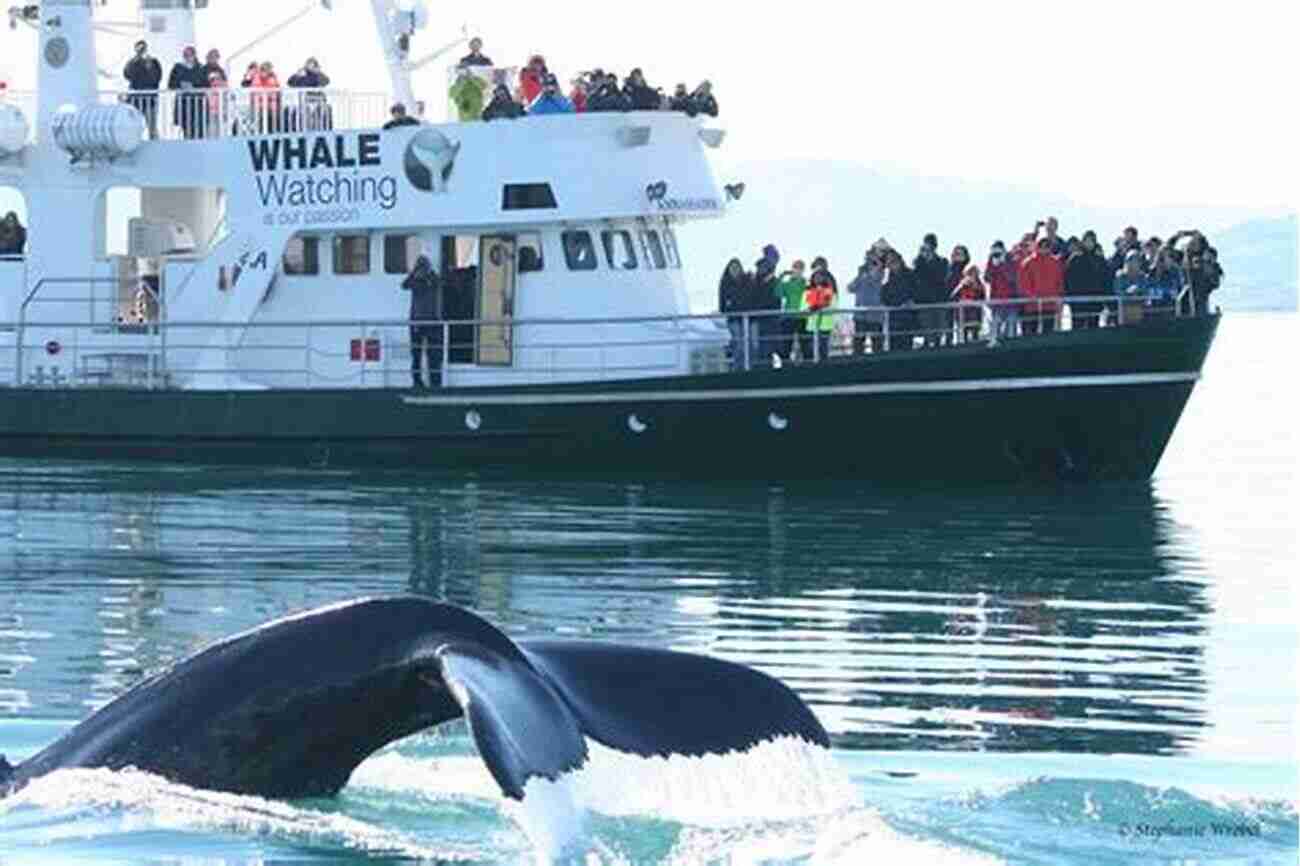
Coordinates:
(862,389)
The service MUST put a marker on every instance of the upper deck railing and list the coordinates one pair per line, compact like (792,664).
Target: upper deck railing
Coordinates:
(179,115)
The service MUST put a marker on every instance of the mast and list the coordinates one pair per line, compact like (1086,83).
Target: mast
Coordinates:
(394,28)
(66,61)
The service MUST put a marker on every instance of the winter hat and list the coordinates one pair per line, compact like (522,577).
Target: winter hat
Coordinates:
(771,252)
(930,240)
(819,262)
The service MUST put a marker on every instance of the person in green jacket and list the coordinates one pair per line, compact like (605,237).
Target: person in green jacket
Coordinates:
(819,300)
(467,95)
(790,288)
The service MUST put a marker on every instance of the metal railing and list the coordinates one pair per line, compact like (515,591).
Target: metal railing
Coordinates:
(175,115)
(378,352)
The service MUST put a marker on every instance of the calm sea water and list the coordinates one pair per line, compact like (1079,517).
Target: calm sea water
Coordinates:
(1096,675)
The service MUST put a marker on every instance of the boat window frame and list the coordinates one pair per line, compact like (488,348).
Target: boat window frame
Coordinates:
(629,249)
(670,247)
(572,256)
(338,260)
(410,251)
(533,241)
(652,261)
(311,261)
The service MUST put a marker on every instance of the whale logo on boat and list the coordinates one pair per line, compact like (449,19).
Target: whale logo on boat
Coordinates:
(291,708)
(430,158)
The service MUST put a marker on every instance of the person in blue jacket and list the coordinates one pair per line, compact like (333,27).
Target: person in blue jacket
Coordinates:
(551,100)
(1164,283)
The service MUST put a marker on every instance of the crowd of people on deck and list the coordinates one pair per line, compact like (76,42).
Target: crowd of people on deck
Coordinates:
(203,107)
(942,301)
(537,91)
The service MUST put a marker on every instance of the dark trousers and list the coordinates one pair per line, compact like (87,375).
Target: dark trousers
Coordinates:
(1036,324)
(1085,316)
(864,330)
(823,349)
(902,327)
(146,104)
(791,328)
(426,345)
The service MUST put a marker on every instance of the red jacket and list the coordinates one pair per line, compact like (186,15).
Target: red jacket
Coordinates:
(1001,279)
(530,84)
(1042,276)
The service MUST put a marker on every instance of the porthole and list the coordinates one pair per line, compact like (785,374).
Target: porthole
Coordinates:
(777,422)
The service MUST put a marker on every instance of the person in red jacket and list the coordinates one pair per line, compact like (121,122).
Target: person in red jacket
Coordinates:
(531,78)
(1000,274)
(1042,281)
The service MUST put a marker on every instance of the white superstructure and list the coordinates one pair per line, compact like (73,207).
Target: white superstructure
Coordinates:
(269,231)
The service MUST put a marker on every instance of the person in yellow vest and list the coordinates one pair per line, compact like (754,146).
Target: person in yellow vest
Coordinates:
(819,302)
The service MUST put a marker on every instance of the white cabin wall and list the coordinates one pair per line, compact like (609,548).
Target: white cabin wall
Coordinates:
(168,28)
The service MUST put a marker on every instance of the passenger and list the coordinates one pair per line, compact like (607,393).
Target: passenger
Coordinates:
(13,237)
(190,111)
(1087,274)
(818,300)
(819,264)
(866,288)
(143,72)
(931,270)
(733,295)
(1124,243)
(1000,276)
(312,111)
(467,95)
(550,100)
(898,290)
(266,105)
(400,118)
(1164,284)
(642,96)
(1050,226)
(608,96)
(425,287)
(765,329)
(958,260)
(531,78)
(680,100)
(1201,277)
(1150,251)
(578,94)
(790,287)
(702,101)
(970,289)
(502,106)
(1042,280)
(221,107)
(1214,276)
(213,64)
(476,57)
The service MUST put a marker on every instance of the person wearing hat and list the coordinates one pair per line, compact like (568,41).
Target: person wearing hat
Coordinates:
(143,72)
(313,111)
(550,100)
(400,117)
(702,101)
(642,96)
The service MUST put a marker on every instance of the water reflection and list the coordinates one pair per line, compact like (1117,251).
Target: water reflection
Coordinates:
(1015,620)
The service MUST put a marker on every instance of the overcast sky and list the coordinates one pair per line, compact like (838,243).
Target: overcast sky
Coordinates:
(1137,104)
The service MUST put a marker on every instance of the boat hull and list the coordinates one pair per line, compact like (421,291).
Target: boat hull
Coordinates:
(1098,404)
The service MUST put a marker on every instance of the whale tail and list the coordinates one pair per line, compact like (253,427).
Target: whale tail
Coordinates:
(291,708)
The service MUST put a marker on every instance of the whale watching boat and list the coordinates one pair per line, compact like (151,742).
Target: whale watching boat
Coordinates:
(217,274)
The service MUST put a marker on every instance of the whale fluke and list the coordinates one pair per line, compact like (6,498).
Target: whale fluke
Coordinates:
(291,708)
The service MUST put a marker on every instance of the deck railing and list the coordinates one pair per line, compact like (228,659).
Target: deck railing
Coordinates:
(174,115)
(155,353)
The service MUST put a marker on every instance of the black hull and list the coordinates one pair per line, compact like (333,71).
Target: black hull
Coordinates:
(1098,404)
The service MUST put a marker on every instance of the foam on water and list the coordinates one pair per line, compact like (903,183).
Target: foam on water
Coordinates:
(64,804)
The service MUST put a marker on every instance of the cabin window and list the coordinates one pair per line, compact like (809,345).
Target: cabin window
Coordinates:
(400,253)
(530,253)
(527,196)
(302,256)
(619,252)
(654,250)
(579,251)
(351,254)
(670,247)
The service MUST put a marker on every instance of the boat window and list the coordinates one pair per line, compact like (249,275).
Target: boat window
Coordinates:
(400,253)
(530,253)
(670,247)
(527,196)
(619,252)
(579,251)
(654,250)
(302,256)
(352,254)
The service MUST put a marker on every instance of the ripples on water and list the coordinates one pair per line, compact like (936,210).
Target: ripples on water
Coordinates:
(1087,621)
